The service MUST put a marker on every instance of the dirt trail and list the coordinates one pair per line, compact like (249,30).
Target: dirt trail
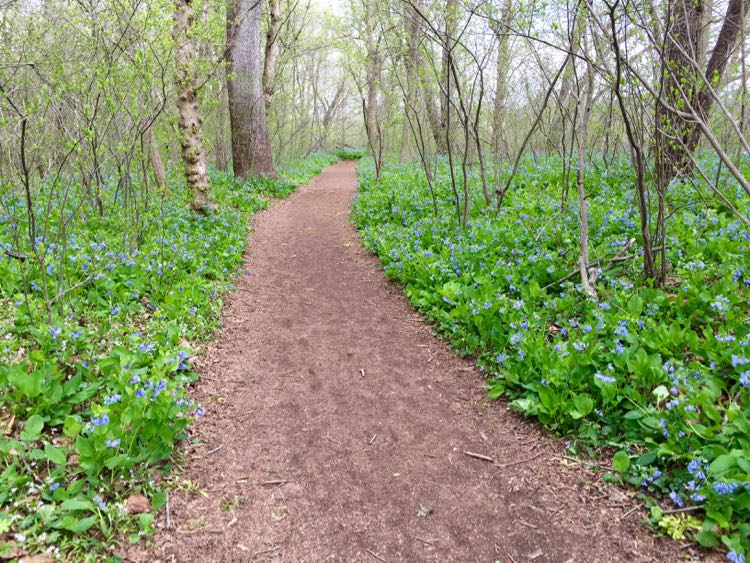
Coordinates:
(337,423)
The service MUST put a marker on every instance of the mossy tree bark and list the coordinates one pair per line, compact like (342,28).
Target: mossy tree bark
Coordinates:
(189,122)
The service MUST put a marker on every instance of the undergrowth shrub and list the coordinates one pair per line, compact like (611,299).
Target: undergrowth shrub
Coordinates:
(660,376)
(96,344)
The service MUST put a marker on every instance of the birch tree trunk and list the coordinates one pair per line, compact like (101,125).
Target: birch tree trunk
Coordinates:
(251,145)
(189,122)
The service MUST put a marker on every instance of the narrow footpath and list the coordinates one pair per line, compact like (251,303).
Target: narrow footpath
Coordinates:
(337,426)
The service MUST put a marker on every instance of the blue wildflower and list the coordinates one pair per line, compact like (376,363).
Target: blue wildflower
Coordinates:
(100,420)
(604,378)
(676,499)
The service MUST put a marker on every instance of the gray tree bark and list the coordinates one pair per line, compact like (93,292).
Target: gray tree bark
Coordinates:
(412,63)
(272,50)
(500,29)
(251,144)
(154,157)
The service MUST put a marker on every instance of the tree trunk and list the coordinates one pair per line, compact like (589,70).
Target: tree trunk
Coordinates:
(682,85)
(154,157)
(251,145)
(371,109)
(412,63)
(272,50)
(449,40)
(500,29)
(583,113)
(189,122)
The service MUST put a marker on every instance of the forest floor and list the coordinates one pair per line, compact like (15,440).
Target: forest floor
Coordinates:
(337,426)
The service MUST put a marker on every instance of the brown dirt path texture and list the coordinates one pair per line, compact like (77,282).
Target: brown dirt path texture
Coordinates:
(337,423)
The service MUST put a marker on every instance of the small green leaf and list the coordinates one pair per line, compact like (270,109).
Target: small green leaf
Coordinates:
(621,461)
(55,455)
(584,404)
(33,428)
(74,504)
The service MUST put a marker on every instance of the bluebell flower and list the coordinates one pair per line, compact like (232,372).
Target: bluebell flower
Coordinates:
(516,338)
(115,311)
(55,332)
(604,378)
(99,502)
(53,487)
(112,443)
(696,468)
(101,420)
(112,399)
(676,499)
(725,488)
(146,347)
(500,357)
(735,557)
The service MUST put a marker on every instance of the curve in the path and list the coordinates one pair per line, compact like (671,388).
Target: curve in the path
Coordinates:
(342,424)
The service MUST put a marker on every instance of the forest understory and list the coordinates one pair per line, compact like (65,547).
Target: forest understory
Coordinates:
(561,189)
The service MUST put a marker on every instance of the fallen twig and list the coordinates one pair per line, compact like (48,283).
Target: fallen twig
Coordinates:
(430,543)
(590,465)
(479,456)
(265,551)
(273,483)
(631,511)
(511,464)
(683,509)
(375,555)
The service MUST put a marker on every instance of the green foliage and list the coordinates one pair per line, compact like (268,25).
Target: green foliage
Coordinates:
(96,349)
(661,375)
(350,153)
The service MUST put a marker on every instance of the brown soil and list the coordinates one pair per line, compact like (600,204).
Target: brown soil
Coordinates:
(337,425)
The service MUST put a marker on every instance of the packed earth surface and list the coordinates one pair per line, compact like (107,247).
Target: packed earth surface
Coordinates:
(339,428)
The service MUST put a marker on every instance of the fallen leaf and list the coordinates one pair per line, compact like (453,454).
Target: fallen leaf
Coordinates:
(423,511)
(137,504)
(535,555)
